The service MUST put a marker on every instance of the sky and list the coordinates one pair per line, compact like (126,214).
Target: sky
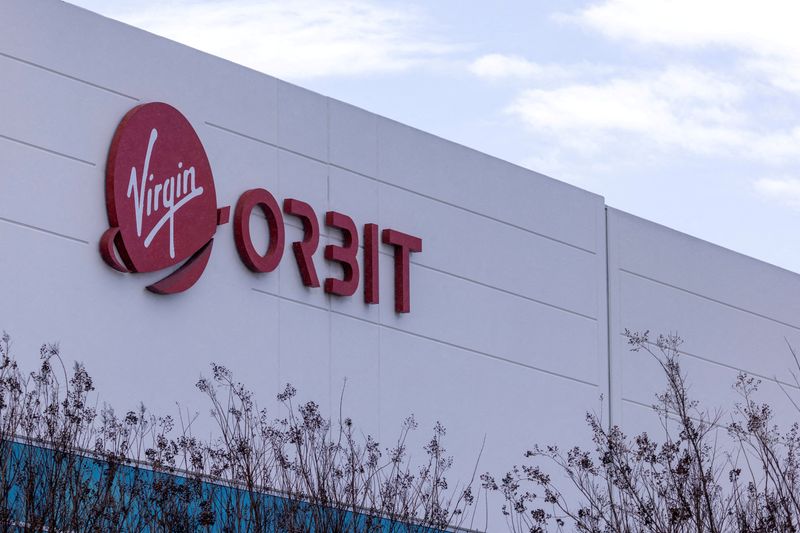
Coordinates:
(683,112)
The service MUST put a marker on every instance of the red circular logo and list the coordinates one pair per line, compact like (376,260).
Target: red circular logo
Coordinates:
(160,196)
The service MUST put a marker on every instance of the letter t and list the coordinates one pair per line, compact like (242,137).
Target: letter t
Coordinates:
(403,244)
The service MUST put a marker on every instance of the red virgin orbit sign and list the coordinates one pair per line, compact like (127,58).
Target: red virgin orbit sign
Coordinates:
(160,197)
(162,212)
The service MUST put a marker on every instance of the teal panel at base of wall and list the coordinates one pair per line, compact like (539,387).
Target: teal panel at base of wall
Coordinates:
(44,489)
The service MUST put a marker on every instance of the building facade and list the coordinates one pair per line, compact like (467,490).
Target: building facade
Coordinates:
(518,297)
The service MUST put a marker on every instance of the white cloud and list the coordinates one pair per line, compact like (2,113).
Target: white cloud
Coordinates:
(783,190)
(679,107)
(767,26)
(501,66)
(298,39)
(505,67)
(723,86)
(763,33)
(690,108)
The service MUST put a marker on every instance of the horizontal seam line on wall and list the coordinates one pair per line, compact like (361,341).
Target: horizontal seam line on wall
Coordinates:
(288,299)
(42,230)
(731,306)
(505,291)
(418,335)
(671,413)
(731,367)
(299,226)
(388,184)
(491,356)
(464,278)
(385,254)
(67,76)
(47,150)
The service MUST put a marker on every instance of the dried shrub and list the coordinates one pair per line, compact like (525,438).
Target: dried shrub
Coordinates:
(688,482)
(68,466)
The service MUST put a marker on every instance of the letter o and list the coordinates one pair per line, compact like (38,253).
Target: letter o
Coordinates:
(241,230)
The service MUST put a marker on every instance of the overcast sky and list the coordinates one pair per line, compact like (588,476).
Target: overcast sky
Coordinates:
(684,112)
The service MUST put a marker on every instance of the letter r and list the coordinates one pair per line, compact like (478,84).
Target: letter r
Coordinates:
(304,250)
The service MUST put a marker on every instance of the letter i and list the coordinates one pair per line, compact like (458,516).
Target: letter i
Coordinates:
(178,177)
(371,261)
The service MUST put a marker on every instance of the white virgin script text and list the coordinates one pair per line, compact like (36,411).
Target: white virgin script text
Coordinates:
(147,198)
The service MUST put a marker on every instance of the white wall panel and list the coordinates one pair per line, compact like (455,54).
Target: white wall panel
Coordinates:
(353,139)
(494,253)
(238,163)
(502,325)
(512,409)
(709,383)
(136,345)
(302,121)
(471,180)
(303,179)
(734,279)
(356,373)
(57,113)
(354,195)
(291,284)
(354,305)
(714,299)
(53,180)
(305,359)
(713,330)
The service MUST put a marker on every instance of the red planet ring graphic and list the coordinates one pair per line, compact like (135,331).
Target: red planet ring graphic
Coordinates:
(160,197)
